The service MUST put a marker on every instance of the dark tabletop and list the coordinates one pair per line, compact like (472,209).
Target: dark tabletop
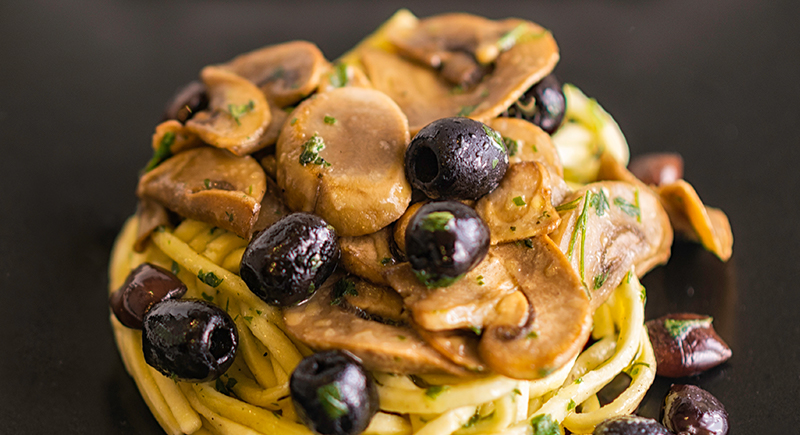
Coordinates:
(83,83)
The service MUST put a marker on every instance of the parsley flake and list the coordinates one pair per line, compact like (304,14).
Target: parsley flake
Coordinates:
(338,77)
(207,297)
(519,201)
(545,425)
(209,278)
(330,120)
(600,203)
(330,398)
(342,288)
(629,209)
(512,146)
(176,268)
(311,150)
(569,205)
(238,110)
(435,390)
(571,405)
(437,221)
(678,329)
(495,138)
(163,152)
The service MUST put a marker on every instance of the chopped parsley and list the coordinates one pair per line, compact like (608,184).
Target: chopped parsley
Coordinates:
(634,369)
(311,150)
(518,201)
(579,381)
(386,260)
(600,203)
(163,152)
(293,121)
(342,288)
(209,278)
(330,398)
(437,221)
(569,205)
(545,425)
(532,334)
(631,210)
(435,390)
(330,120)
(511,145)
(229,215)
(466,110)
(571,405)
(477,330)
(207,297)
(248,319)
(338,77)
(207,184)
(226,388)
(176,268)
(495,137)
(599,280)
(238,110)
(480,280)
(494,163)
(580,227)
(510,38)
(435,281)
(679,328)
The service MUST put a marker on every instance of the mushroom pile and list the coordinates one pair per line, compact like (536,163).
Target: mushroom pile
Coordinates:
(282,130)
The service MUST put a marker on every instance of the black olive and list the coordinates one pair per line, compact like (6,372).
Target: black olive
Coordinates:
(456,158)
(686,344)
(333,394)
(189,339)
(145,285)
(544,104)
(187,101)
(285,264)
(445,240)
(630,425)
(692,410)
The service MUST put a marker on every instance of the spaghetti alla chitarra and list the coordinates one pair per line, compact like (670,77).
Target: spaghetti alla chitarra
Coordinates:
(516,336)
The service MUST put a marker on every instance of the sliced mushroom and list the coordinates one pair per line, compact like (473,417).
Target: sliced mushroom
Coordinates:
(459,346)
(706,225)
(343,159)
(608,227)
(325,322)
(210,185)
(286,73)
(368,256)
(174,136)
(402,224)
(272,207)
(520,207)
(470,302)
(341,75)
(238,113)
(150,215)
(555,292)
(424,95)
(528,143)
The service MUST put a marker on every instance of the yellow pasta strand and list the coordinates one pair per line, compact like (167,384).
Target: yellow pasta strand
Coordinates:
(187,418)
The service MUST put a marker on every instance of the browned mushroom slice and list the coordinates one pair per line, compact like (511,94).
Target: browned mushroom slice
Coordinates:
(555,292)
(608,227)
(272,207)
(175,137)
(343,159)
(470,302)
(706,225)
(459,346)
(330,321)
(238,113)
(526,142)
(402,224)
(151,215)
(425,96)
(286,73)
(341,75)
(520,207)
(368,256)
(210,185)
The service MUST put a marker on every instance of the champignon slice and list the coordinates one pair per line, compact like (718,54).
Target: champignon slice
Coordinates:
(402,224)
(608,227)
(706,225)
(272,207)
(286,73)
(238,113)
(520,207)
(151,215)
(459,346)
(527,142)
(424,95)
(329,321)
(470,302)
(368,256)
(341,75)
(173,136)
(342,157)
(562,319)
(210,185)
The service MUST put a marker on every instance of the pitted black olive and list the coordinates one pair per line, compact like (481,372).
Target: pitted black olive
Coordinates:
(145,285)
(445,240)
(686,344)
(544,104)
(630,425)
(333,394)
(692,410)
(285,264)
(456,158)
(189,339)
(187,101)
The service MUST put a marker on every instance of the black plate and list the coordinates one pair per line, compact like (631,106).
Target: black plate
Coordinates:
(83,83)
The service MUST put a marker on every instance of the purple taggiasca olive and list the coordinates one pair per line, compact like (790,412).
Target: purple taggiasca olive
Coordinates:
(189,339)
(456,158)
(630,425)
(544,104)
(686,344)
(333,393)
(145,286)
(187,101)
(691,410)
(445,240)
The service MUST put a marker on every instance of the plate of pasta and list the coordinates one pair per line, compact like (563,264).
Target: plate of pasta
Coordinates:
(435,221)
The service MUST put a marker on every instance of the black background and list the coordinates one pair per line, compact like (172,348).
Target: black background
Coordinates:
(83,83)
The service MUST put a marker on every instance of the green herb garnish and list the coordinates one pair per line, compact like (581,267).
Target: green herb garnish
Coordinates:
(569,205)
(545,425)
(331,400)
(342,288)
(176,268)
(510,38)
(495,138)
(631,210)
(571,405)
(207,297)
(600,203)
(338,77)
(209,278)
(679,328)
(477,330)
(437,221)
(435,390)
(480,280)
(599,280)
(580,227)
(435,281)
(466,110)
(330,120)
(511,145)
(386,260)
(238,110)
(518,201)
(311,150)
(532,334)
(163,152)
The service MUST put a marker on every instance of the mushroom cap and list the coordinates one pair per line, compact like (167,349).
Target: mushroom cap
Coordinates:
(210,185)
(424,95)
(238,113)
(357,181)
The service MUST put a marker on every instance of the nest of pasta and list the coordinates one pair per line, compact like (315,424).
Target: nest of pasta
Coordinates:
(523,340)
